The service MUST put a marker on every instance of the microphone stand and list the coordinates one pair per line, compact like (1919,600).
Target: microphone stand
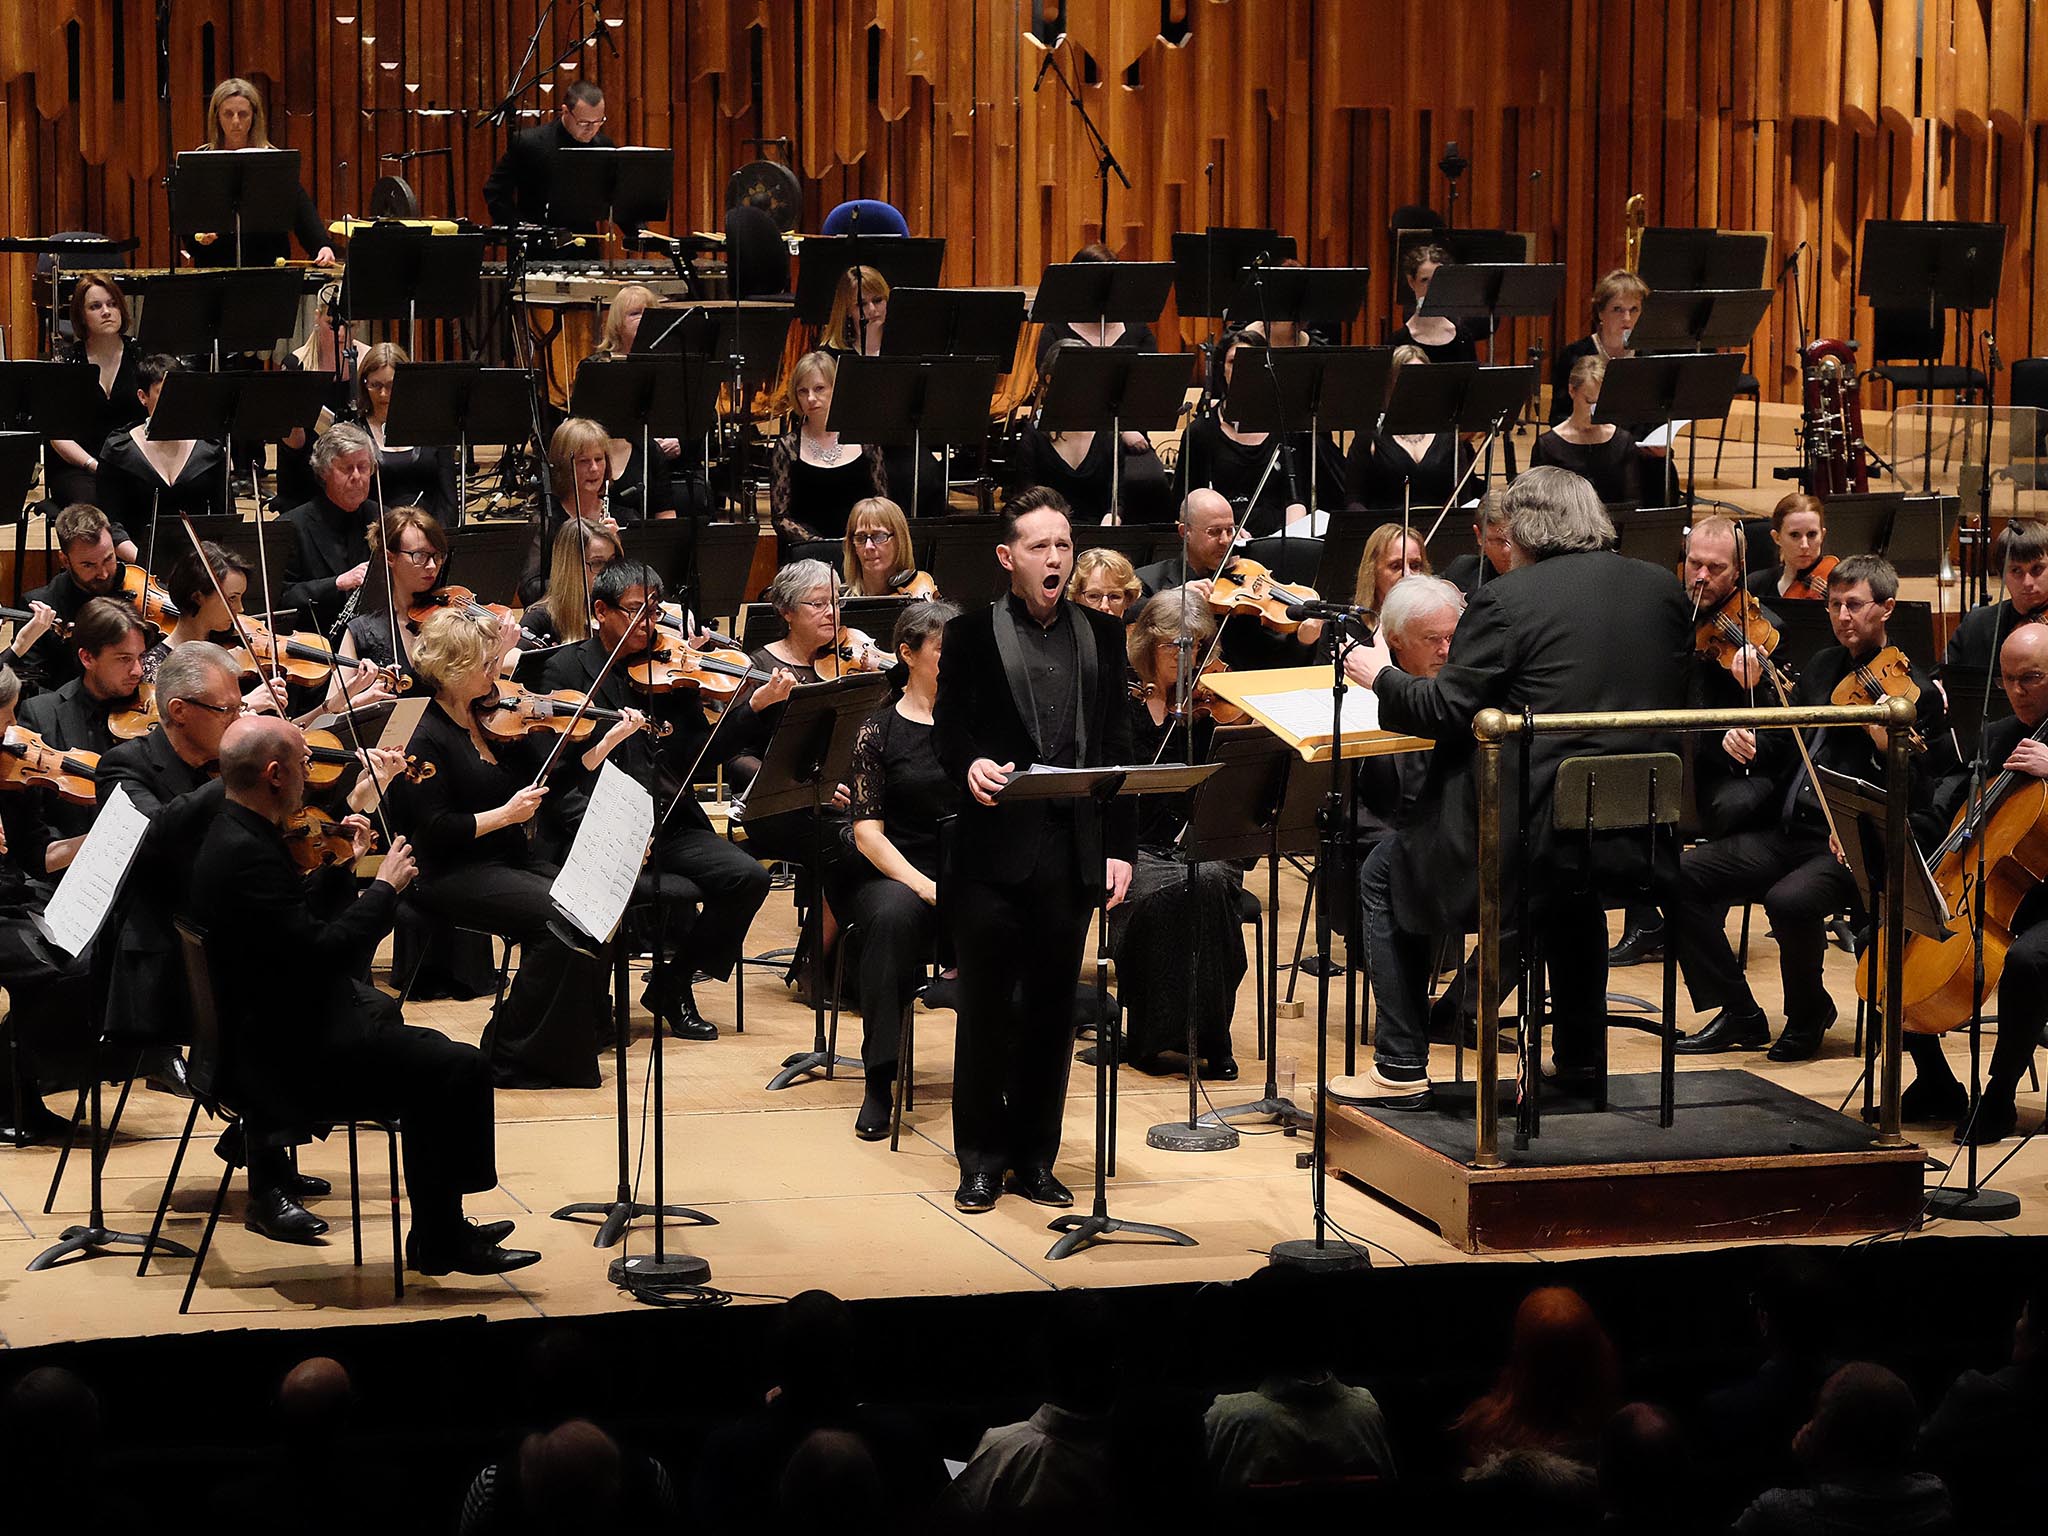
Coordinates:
(1105,158)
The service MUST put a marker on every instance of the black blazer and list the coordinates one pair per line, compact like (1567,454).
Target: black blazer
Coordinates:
(1978,634)
(517,189)
(290,993)
(146,998)
(74,720)
(129,490)
(1590,631)
(658,765)
(978,715)
(322,541)
(53,660)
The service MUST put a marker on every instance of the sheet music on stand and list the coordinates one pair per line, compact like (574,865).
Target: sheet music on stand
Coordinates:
(1294,704)
(91,882)
(597,878)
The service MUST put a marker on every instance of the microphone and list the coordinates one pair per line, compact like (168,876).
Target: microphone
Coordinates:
(1991,352)
(1318,609)
(1792,260)
(1043,65)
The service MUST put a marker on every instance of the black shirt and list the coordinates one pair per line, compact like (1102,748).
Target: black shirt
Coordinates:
(1973,646)
(1211,457)
(1050,671)
(897,779)
(440,811)
(1379,472)
(53,660)
(1613,468)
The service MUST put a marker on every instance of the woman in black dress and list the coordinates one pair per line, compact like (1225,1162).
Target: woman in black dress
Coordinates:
(1418,470)
(143,481)
(814,477)
(1617,305)
(408,477)
(579,485)
(1163,929)
(99,335)
(418,553)
(1077,464)
(1268,488)
(889,887)
(478,868)
(235,119)
(1442,340)
(1604,454)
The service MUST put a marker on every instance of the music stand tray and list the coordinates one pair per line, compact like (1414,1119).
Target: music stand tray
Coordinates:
(1930,264)
(489,559)
(948,322)
(235,192)
(1209,268)
(926,402)
(905,261)
(1456,397)
(754,332)
(1699,320)
(1309,296)
(245,404)
(253,310)
(627,185)
(643,396)
(1089,292)
(54,399)
(396,272)
(1703,258)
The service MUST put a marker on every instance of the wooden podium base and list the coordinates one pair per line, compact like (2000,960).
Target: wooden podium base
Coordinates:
(1744,1159)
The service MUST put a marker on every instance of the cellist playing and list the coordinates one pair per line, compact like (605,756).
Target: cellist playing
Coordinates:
(2010,745)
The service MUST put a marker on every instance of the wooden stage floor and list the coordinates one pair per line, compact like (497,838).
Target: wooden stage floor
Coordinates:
(799,1201)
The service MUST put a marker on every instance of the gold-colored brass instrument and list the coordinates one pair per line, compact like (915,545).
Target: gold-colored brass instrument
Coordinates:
(1634,215)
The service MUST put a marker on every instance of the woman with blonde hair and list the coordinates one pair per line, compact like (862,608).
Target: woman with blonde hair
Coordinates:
(1618,300)
(1105,581)
(560,615)
(877,559)
(235,119)
(1418,470)
(814,478)
(1390,554)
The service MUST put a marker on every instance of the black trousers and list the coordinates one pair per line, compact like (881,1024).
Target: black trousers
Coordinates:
(896,930)
(49,996)
(725,884)
(1019,948)
(2022,1012)
(1800,884)
(1571,931)
(545,1033)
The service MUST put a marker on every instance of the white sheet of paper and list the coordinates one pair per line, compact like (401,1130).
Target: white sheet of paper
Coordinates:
(1661,438)
(597,878)
(404,719)
(1305,712)
(86,891)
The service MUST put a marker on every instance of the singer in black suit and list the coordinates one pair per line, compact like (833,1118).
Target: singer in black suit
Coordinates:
(1031,679)
(517,191)
(1571,626)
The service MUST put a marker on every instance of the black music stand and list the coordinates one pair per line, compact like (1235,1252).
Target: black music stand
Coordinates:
(1700,320)
(489,559)
(905,261)
(1654,535)
(20,452)
(947,322)
(245,405)
(400,272)
(1339,389)
(761,624)
(914,400)
(1694,386)
(42,400)
(1456,397)
(218,313)
(745,338)
(436,404)
(590,185)
(1092,389)
(1096,292)
(960,553)
(1258,806)
(1492,292)
(1209,268)
(812,746)
(1702,258)
(246,191)
(1090,791)
(725,561)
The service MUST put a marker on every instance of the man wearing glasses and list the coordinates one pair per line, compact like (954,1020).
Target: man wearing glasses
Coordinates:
(1788,863)
(2011,745)
(517,191)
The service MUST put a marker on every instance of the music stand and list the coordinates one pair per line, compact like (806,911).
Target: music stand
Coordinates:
(591,185)
(489,560)
(812,745)
(398,272)
(1493,292)
(914,400)
(217,313)
(55,400)
(1460,398)
(960,554)
(244,405)
(1256,807)
(725,563)
(1654,535)
(905,261)
(762,624)
(1690,386)
(1209,268)
(1702,258)
(945,322)
(1700,320)
(1341,388)
(745,337)
(1092,388)
(1090,791)
(435,404)
(248,191)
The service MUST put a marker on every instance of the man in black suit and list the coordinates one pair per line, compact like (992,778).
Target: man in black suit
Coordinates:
(327,548)
(1490,532)
(2020,553)
(304,1040)
(90,565)
(1787,864)
(1029,680)
(517,191)
(710,888)
(1208,533)
(1572,626)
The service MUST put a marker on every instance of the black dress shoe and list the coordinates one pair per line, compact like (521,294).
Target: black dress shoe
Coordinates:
(38,1124)
(1727,1030)
(877,1106)
(280,1218)
(304,1186)
(1925,1102)
(977,1192)
(1040,1187)
(1996,1118)
(1219,1069)
(680,1014)
(165,1071)
(1638,945)
(1798,1042)
(464,1250)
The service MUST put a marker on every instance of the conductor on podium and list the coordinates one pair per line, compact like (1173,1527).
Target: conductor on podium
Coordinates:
(1030,680)
(517,191)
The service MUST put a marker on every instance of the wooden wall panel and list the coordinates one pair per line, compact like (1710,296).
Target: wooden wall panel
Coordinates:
(1800,117)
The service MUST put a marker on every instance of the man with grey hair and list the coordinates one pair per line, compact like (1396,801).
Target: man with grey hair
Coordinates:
(1571,626)
(327,543)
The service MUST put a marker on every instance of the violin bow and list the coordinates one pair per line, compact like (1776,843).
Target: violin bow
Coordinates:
(569,730)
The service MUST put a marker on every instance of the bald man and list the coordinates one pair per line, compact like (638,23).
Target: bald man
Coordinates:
(2012,745)
(1209,536)
(305,1040)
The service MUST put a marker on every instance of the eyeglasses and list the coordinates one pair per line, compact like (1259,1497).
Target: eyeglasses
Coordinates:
(874,536)
(236,708)
(1849,606)
(816,604)
(2025,680)
(421,557)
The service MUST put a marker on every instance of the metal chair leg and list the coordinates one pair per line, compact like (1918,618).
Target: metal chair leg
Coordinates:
(163,1203)
(220,1198)
(391,1134)
(355,1197)
(1259,982)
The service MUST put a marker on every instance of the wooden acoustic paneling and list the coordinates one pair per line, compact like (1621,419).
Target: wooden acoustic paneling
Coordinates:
(1318,117)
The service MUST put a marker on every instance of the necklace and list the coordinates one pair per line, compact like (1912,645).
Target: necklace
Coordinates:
(826,453)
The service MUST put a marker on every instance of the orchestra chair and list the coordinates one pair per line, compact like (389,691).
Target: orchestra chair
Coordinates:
(827,550)
(1746,388)
(2027,390)
(426,929)
(867,216)
(1905,350)
(208,1054)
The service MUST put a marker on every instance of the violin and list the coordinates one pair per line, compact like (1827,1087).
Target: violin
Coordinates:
(61,628)
(304,658)
(456,600)
(1207,704)
(514,713)
(716,674)
(25,759)
(1245,586)
(1812,583)
(139,719)
(149,599)
(850,651)
(330,759)
(1737,622)
(316,840)
(913,584)
(1887,675)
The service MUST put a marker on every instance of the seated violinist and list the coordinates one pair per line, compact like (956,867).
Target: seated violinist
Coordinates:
(1209,534)
(1799,527)
(47,990)
(90,564)
(878,560)
(710,888)
(480,868)
(412,548)
(327,542)
(340,1050)
(1788,863)
(559,614)
(144,481)
(208,586)
(2011,745)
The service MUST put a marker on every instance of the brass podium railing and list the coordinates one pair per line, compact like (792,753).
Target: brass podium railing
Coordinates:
(1492,727)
